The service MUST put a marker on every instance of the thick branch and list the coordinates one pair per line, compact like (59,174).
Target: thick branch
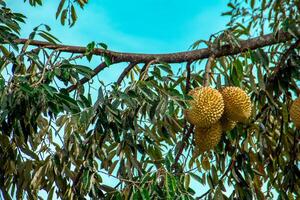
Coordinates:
(188,56)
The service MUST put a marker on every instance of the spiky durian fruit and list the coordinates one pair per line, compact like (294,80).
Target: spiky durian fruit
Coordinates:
(237,104)
(295,112)
(227,124)
(206,108)
(207,138)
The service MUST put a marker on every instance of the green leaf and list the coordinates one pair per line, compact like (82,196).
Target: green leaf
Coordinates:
(285,113)
(50,37)
(104,46)
(205,163)
(59,8)
(166,67)
(29,153)
(107,60)
(145,194)
(49,89)
(63,16)
(260,78)
(26,88)
(187,180)
(252,3)
(5,52)
(85,71)
(50,194)
(196,177)
(90,47)
(113,166)
(214,175)
(73,15)
(46,37)
(85,178)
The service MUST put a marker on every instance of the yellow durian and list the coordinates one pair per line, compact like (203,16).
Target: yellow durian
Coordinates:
(237,104)
(295,112)
(227,124)
(207,138)
(206,108)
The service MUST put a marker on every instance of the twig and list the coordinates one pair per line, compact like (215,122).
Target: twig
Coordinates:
(187,132)
(232,162)
(285,56)
(44,69)
(122,179)
(208,66)
(276,71)
(145,69)
(183,143)
(188,77)
(125,72)
(98,69)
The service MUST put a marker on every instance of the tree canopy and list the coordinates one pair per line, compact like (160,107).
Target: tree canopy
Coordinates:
(57,138)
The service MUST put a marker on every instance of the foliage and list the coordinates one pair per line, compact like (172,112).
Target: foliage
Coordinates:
(65,11)
(66,143)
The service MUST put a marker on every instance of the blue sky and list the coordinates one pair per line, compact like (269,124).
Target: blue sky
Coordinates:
(151,26)
(148,26)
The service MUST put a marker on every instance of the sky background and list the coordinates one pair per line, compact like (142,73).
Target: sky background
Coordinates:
(148,26)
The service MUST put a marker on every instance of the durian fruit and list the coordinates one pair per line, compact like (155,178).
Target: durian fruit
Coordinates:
(237,104)
(207,138)
(206,108)
(227,124)
(295,112)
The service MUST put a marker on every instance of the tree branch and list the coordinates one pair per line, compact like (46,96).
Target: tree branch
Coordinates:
(276,72)
(230,166)
(125,72)
(188,78)
(187,56)
(206,78)
(98,69)
(285,56)
(183,143)
(144,70)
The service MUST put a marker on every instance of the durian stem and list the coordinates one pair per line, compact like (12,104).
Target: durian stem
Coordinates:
(209,64)
(188,77)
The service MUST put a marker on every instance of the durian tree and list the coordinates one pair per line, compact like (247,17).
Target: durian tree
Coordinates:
(62,130)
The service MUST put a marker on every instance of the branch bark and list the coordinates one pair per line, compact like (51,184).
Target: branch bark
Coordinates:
(206,78)
(188,78)
(125,72)
(98,69)
(183,143)
(286,55)
(187,56)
